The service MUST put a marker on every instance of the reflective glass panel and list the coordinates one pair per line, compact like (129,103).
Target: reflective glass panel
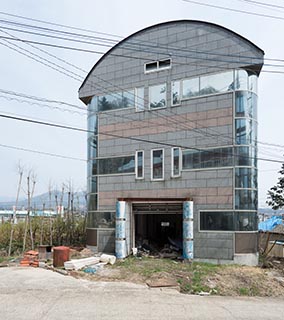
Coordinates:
(252,83)
(158,164)
(241,80)
(110,101)
(190,159)
(92,124)
(140,164)
(116,165)
(218,221)
(92,184)
(176,162)
(101,220)
(175,92)
(94,166)
(89,167)
(246,221)
(246,131)
(128,98)
(190,88)
(92,147)
(93,105)
(139,99)
(216,83)
(246,104)
(92,202)
(158,96)
(245,178)
(245,199)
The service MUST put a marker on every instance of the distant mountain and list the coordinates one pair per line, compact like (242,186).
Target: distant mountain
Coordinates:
(47,199)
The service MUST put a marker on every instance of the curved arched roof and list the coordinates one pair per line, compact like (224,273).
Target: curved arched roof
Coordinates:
(165,24)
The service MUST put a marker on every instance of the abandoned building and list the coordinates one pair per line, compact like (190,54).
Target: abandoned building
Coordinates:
(172,150)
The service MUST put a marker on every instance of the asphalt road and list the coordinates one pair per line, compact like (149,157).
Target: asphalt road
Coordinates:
(28,293)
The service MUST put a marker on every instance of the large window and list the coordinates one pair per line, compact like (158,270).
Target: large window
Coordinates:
(157,164)
(139,165)
(101,220)
(118,100)
(246,178)
(210,158)
(228,221)
(246,131)
(216,83)
(190,88)
(246,104)
(176,162)
(158,96)
(116,165)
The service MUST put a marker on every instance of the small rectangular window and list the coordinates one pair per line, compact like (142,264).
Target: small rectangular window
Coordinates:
(176,162)
(139,99)
(157,164)
(165,63)
(139,165)
(151,66)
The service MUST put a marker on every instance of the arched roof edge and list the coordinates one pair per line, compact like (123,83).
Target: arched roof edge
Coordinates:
(163,24)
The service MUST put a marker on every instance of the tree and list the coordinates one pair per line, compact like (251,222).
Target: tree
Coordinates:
(276,193)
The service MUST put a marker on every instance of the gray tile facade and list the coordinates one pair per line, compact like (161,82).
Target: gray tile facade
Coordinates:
(196,48)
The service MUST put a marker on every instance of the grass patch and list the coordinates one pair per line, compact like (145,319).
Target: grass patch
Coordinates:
(191,277)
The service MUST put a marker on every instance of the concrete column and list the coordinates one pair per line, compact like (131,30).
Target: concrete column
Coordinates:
(120,230)
(188,230)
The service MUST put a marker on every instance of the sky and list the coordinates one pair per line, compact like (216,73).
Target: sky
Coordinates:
(21,74)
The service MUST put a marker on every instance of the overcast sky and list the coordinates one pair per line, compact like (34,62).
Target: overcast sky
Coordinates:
(21,74)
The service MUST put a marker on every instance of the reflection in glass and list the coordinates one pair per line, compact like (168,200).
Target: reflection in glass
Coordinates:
(217,157)
(176,162)
(241,80)
(246,104)
(116,165)
(118,100)
(92,184)
(158,164)
(93,105)
(218,221)
(216,83)
(246,131)
(101,220)
(92,124)
(175,93)
(92,147)
(245,178)
(158,96)
(139,164)
(245,199)
(252,82)
(92,202)
(139,99)
(128,99)
(190,88)
(246,221)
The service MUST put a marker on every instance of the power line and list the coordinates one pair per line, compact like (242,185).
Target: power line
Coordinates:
(41,152)
(269,5)
(123,137)
(234,10)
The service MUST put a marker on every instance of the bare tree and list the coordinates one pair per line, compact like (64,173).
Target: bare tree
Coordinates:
(14,219)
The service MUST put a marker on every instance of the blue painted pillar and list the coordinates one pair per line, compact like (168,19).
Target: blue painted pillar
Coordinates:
(120,230)
(188,230)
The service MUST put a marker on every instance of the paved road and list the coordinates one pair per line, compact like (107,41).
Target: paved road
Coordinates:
(27,293)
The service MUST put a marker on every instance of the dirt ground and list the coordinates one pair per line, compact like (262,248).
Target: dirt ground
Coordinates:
(196,278)
(266,280)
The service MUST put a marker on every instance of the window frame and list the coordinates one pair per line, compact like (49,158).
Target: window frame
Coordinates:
(136,165)
(149,93)
(158,68)
(163,165)
(137,99)
(173,175)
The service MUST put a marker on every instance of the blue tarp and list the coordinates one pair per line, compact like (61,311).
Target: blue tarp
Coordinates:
(270,224)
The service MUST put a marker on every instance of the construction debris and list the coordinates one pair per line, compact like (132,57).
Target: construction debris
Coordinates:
(108,258)
(30,259)
(78,264)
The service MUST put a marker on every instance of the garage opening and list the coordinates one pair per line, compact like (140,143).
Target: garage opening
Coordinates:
(158,229)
